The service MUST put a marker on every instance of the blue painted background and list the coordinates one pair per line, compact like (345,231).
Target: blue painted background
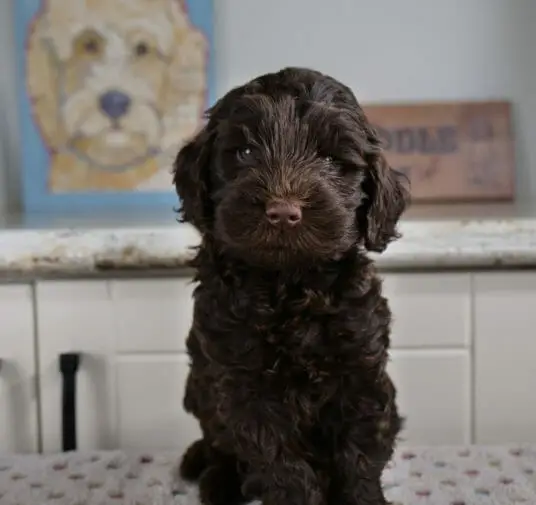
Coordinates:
(34,156)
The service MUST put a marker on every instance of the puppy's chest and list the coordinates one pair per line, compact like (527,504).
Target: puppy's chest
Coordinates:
(301,386)
(300,360)
(308,321)
(303,339)
(309,339)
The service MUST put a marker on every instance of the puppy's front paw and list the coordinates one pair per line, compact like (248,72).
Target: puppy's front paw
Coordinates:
(220,485)
(195,461)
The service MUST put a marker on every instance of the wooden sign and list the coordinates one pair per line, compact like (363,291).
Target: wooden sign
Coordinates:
(461,151)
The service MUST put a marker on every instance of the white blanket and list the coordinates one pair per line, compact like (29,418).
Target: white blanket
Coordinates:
(417,476)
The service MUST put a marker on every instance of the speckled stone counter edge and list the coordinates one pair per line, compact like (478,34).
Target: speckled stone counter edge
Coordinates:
(424,244)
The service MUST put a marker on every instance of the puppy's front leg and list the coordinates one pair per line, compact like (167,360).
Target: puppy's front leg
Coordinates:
(357,489)
(283,481)
(276,473)
(356,474)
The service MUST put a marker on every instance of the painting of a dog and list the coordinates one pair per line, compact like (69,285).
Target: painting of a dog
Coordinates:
(114,86)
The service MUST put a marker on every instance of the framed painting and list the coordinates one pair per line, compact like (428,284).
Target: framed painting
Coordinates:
(109,91)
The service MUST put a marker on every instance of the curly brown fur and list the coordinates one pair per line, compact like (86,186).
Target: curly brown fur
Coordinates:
(290,336)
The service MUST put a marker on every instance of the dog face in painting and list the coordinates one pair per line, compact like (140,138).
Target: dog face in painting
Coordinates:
(114,84)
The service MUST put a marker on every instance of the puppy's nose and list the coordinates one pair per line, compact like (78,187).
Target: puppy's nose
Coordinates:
(114,103)
(283,212)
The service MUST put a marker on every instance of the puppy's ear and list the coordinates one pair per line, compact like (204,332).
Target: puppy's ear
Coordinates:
(387,198)
(191,176)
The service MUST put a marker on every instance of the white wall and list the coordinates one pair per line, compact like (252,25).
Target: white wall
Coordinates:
(384,49)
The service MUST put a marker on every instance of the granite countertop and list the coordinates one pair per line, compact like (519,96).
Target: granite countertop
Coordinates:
(453,236)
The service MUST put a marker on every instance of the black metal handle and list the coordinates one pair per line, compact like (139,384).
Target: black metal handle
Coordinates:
(69,364)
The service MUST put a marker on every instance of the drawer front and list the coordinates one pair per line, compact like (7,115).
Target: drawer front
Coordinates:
(152,315)
(434,395)
(429,310)
(77,317)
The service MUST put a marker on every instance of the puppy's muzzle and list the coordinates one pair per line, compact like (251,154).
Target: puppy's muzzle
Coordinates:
(283,213)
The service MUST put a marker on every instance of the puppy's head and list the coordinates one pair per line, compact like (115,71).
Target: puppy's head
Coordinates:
(287,170)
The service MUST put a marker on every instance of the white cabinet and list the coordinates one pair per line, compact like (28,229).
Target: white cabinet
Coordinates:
(18,404)
(463,359)
(505,357)
(131,334)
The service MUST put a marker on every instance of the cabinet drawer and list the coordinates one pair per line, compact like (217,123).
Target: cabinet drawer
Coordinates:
(434,395)
(152,315)
(77,316)
(429,310)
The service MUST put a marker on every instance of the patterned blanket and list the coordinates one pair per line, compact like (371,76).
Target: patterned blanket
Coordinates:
(416,476)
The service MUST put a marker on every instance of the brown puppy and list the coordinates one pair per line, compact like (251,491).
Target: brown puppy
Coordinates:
(289,188)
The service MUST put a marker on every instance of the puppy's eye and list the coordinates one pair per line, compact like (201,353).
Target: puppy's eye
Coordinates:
(244,153)
(328,160)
